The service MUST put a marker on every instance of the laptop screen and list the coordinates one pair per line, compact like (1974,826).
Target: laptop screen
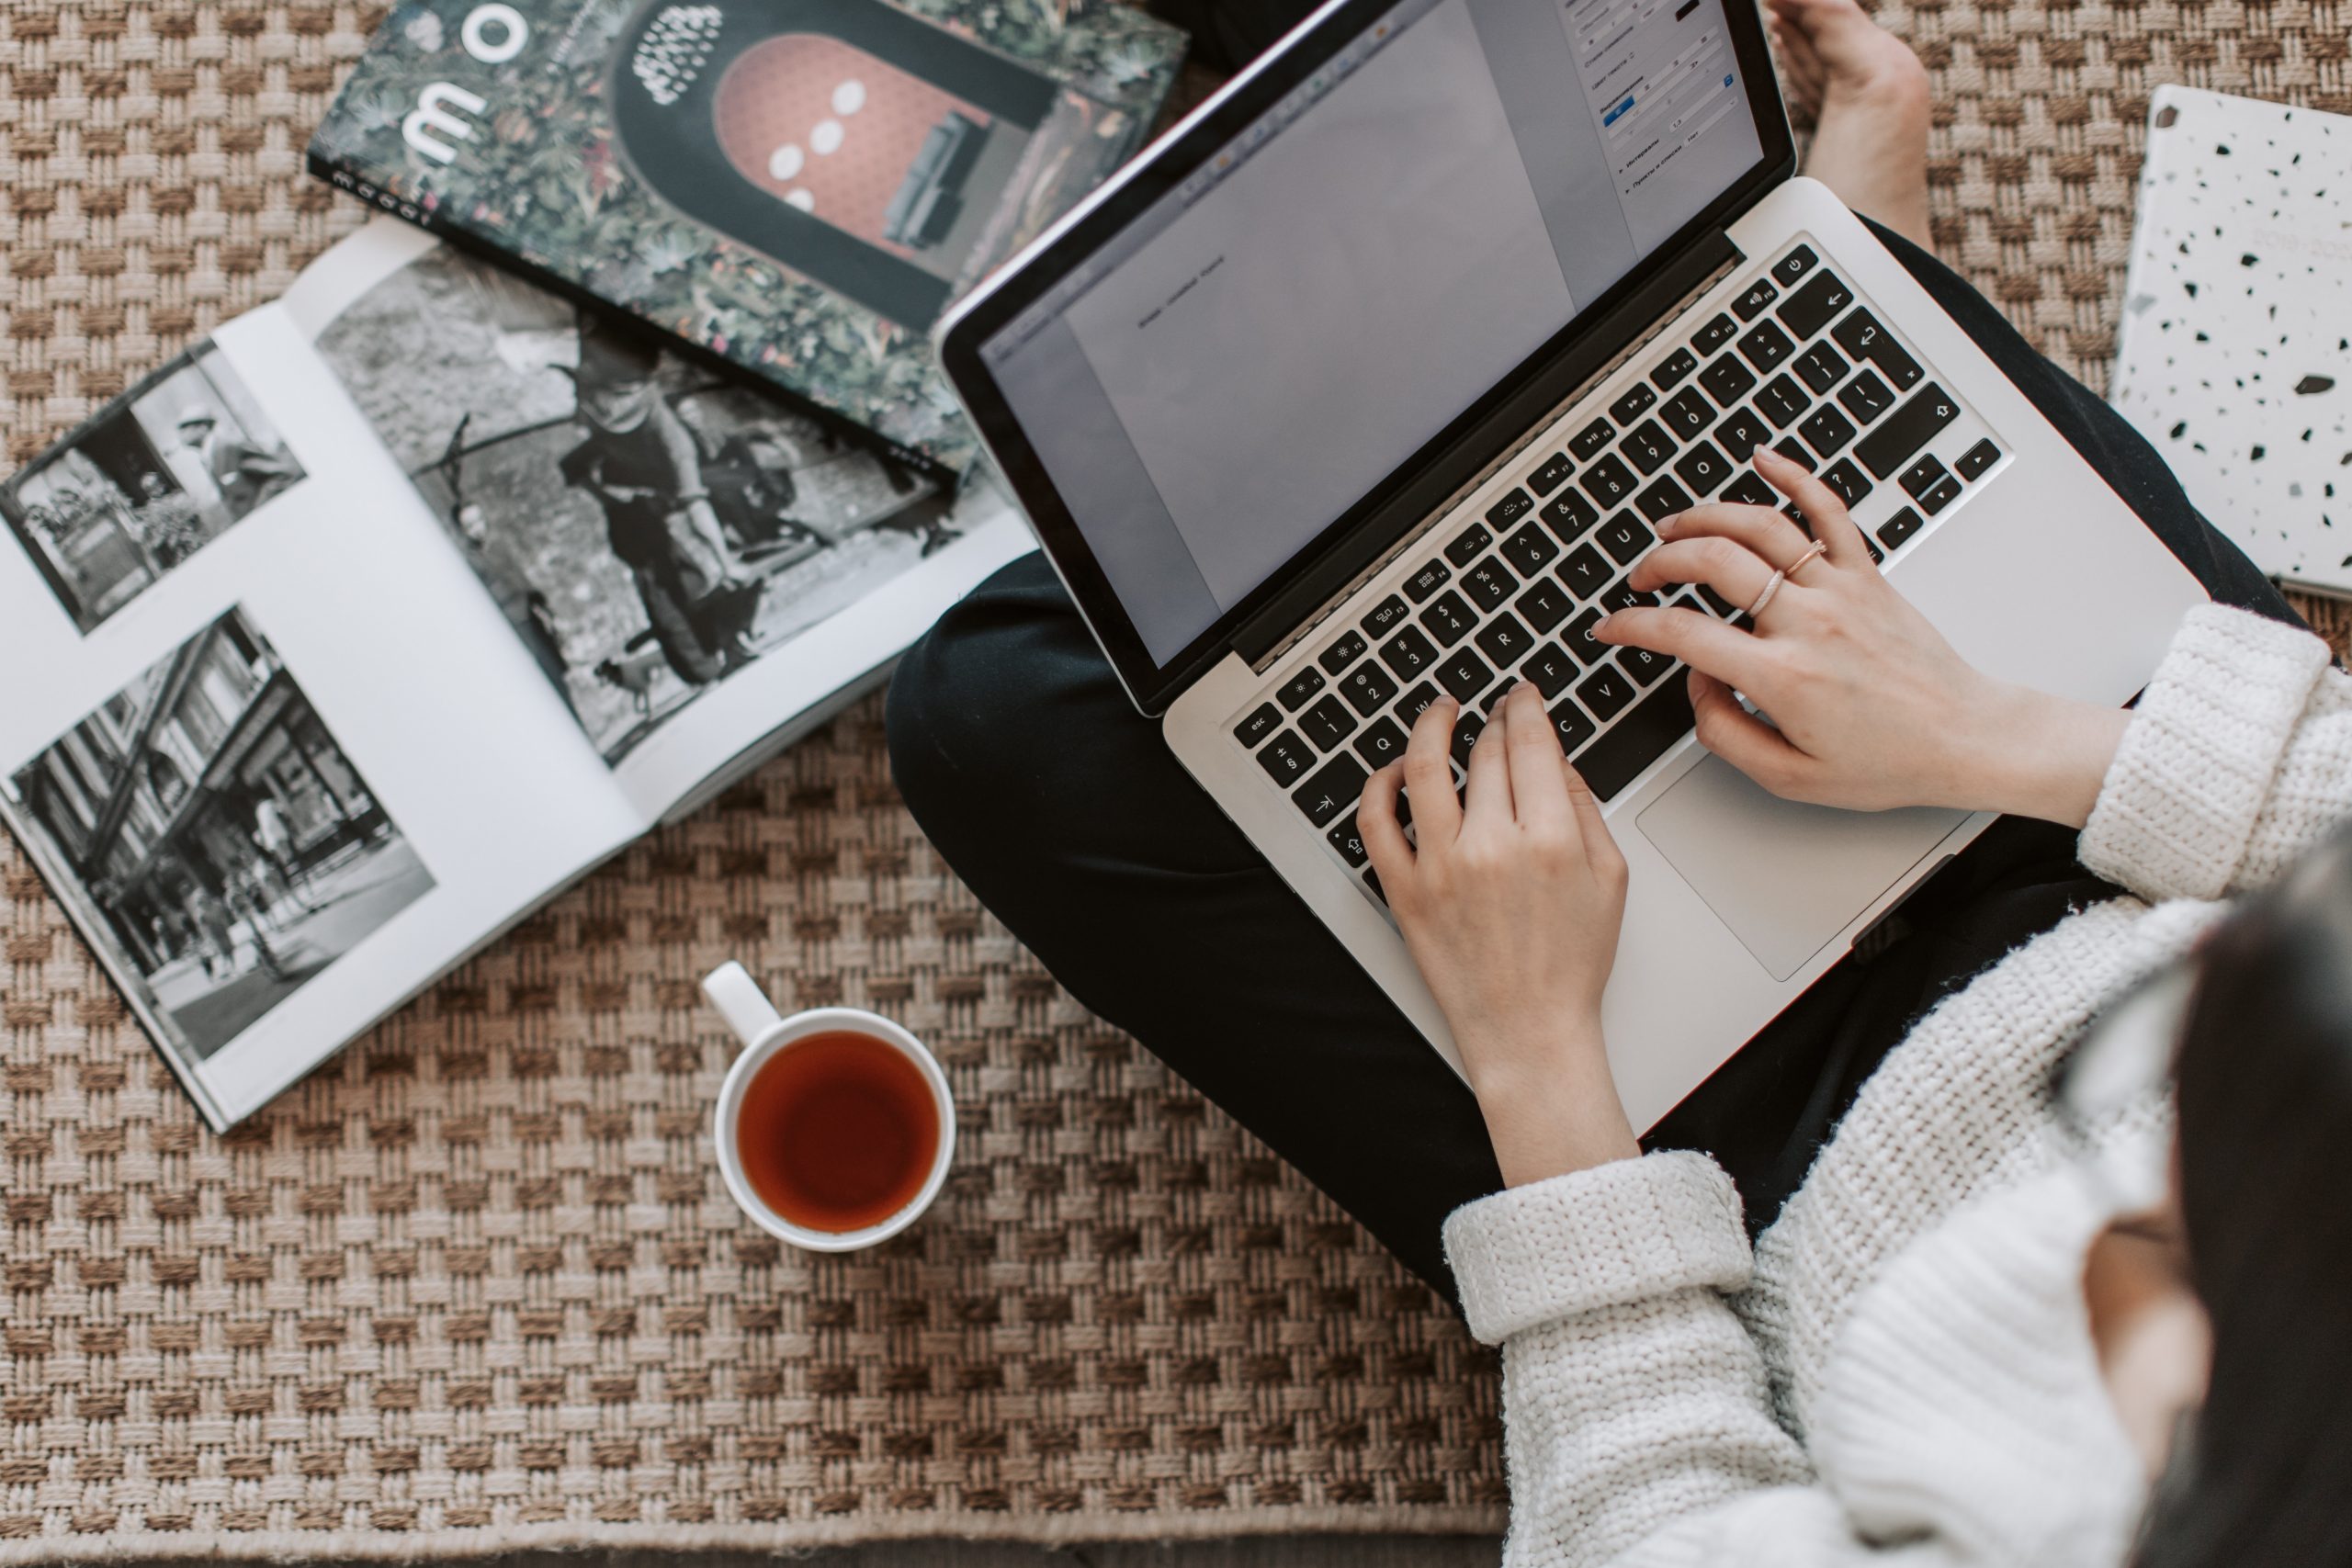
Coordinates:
(1255,352)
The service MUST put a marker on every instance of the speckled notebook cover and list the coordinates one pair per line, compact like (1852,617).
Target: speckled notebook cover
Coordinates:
(2235,351)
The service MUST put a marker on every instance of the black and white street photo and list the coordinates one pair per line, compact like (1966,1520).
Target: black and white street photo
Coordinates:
(646,527)
(225,842)
(163,471)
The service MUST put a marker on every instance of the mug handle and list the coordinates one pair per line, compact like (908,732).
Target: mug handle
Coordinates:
(740,1002)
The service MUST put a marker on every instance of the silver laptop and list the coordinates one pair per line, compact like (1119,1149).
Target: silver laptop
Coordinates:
(1367,382)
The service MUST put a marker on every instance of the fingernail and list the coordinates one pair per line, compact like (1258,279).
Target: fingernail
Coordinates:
(1667,525)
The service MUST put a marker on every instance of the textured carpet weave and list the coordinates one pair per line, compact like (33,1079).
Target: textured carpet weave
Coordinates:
(474,1286)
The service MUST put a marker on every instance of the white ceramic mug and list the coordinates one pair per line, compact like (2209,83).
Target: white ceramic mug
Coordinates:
(765,1033)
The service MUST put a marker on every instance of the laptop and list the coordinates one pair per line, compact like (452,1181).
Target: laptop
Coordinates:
(1368,380)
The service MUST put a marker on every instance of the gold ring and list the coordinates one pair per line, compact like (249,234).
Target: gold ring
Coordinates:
(1818,548)
(1771,586)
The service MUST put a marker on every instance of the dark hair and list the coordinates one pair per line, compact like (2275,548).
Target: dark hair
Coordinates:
(2264,1094)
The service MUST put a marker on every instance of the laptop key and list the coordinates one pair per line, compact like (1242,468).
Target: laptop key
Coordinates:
(1515,504)
(1900,434)
(1687,414)
(1449,620)
(1554,473)
(1975,462)
(1288,759)
(1585,573)
(1504,640)
(1674,370)
(1342,653)
(1468,544)
(1335,788)
(1740,434)
(1782,402)
(1488,583)
(1848,482)
(1630,407)
(1609,481)
(1367,688)
(1749,490)
(1624,537)
(1464,674)
(1714,334)
(1327,724)
(1946,492)
(1433,576)
(1820,367)
(1344,838)
(1816,304)
(1727,379)
(1921,476)
(1703,469)
(1544,605)
(1641,738)
(1663,500)
(1386,616)
(1827,431)
(1569,722)
(1408,653)
(1606,692)
(1793,266)
(1866,397)
(1296,691)
(1569,515)
(1897,530)
(1757,300)
(1371,884)
(1789,446)
(1580,641)
(1550,669)
(1467,729)
(1766,346)
(1621,595)
(1643,665)
(1648,446)
(1530,549)
(1411,706)
(1380,744)
(1588,442)
(1861,336)
(1263,721)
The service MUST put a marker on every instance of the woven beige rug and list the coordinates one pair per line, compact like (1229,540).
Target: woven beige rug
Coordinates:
(474,1287)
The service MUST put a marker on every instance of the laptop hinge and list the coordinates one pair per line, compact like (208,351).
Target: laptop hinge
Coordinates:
(1320,588)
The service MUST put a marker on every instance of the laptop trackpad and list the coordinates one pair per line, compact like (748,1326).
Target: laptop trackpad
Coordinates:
(1785,878)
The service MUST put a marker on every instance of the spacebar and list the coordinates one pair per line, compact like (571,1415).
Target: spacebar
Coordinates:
(1641,738)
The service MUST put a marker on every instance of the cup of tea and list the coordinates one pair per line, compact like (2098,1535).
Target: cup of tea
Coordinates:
(835,1127)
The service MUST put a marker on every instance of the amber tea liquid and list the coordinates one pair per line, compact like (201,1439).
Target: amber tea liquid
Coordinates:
(837,1132)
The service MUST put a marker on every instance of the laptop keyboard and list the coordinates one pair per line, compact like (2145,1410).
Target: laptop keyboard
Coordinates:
(1513,587)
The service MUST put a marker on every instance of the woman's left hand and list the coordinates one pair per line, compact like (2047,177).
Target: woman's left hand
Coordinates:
(1510,905)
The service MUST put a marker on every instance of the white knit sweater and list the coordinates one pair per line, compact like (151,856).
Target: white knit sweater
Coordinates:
(1901,1369)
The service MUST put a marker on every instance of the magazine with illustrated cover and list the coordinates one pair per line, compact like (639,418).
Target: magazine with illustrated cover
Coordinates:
(378,616)
(798,186)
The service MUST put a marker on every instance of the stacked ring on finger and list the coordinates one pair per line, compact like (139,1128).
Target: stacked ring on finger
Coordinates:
(1780,575)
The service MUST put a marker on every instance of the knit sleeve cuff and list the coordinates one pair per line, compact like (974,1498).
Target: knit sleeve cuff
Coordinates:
(2180,800)
(1615,1234)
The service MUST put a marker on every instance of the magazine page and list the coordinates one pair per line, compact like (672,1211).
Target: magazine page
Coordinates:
(689,562)
(284,763)
(797,186)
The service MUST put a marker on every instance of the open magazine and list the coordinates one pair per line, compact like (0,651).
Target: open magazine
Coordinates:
(373,620)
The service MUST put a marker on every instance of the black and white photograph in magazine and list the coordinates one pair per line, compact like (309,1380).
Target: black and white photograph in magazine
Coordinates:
(163,471)
(647,528)
(227,845)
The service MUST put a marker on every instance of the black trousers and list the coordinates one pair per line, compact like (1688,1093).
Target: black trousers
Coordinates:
(1063,810)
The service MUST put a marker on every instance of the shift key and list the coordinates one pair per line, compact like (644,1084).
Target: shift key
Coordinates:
(1890,448)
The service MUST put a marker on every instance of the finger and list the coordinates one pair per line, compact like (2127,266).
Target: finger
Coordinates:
(1533,753)
(1486,789)
(1699,640)
(1726,566)
(1766,531)
(1832,523)
(1739,738)
(1600,848)
(1376,824)
(1429,776)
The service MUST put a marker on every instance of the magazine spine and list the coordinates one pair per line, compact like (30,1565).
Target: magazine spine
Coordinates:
(355,181)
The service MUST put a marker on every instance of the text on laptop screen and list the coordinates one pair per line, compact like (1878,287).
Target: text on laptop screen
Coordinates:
(1260,348)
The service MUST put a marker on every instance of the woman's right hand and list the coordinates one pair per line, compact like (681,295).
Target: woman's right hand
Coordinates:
(1870,707)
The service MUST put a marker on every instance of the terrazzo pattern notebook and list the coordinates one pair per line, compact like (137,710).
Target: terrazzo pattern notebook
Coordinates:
(2235,354)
